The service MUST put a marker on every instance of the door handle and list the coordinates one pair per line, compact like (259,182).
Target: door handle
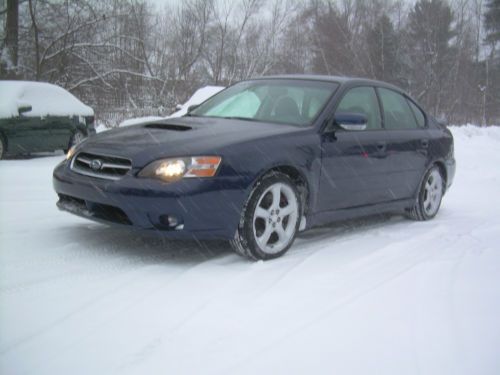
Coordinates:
(381,146)
(424,143)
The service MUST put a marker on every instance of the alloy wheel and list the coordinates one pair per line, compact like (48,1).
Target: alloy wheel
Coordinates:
(433,192)
(275,218)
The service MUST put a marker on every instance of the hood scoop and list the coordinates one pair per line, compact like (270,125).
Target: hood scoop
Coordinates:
(175,127)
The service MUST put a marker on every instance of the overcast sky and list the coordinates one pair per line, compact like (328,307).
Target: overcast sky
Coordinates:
(162,2)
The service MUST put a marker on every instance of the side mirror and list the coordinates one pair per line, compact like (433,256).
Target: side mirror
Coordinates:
(192,107)
(178,107)
(23,108)
(351,121)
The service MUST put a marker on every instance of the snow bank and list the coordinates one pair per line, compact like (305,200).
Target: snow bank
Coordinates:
(45,99)
(473,131)
(100,127)
(198,97)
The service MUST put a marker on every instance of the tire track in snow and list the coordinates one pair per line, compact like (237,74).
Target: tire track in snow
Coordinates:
(137,277)
(410,257)
(112,317)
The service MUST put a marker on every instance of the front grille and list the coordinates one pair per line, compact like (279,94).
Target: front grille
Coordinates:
(93,210)
(100,166)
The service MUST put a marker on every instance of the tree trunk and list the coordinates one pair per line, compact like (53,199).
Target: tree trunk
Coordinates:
(37,44)
(11,37)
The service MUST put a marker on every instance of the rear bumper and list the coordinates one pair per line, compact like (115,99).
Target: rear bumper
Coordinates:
(450,165)
(203,208)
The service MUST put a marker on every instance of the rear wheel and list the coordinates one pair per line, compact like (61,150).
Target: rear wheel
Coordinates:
(429,197)
(270,219)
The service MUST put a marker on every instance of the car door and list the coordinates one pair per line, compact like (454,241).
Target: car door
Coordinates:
(27,134)
(354,163)
(407,142)
(60,131)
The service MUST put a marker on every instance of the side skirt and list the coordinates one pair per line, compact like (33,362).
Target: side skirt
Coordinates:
(326,217)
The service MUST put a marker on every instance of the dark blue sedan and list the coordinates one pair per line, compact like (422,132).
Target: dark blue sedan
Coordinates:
(262,160)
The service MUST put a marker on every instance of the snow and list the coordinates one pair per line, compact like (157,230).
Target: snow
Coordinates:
(198,97)
(100,127)
(45,99)
(379,295)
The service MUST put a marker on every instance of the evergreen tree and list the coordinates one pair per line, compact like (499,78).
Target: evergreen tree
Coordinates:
(383,51)
(431,54)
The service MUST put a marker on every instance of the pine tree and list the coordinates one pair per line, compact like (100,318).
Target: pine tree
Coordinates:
(430,34)
(383,50)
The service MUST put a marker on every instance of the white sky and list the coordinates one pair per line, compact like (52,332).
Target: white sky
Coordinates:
(160,3)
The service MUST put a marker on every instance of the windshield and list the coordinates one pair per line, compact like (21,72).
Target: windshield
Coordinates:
(294,102)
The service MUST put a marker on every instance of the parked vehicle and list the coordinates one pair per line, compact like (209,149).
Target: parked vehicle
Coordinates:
(262,160)
(41,117)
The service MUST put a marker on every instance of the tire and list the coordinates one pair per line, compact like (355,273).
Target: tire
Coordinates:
(76,138)
(270,219)
(429,196)
(3,147)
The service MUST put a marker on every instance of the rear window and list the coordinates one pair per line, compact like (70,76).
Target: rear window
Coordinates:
(397,111)
(419,115)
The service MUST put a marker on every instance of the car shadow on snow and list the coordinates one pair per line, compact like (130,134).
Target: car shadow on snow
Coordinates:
(104,241)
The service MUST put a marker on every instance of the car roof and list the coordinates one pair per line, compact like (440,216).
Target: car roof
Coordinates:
(338,79)
(46,99)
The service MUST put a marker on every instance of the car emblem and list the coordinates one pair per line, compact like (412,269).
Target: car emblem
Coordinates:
(96,164)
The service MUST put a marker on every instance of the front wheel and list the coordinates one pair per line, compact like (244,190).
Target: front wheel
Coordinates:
(429,197)
(270,219)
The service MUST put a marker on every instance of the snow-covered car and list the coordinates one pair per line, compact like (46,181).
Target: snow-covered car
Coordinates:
(197,98)
(41,117)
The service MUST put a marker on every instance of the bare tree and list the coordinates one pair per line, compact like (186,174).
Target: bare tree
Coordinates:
(9,52)
(132,58)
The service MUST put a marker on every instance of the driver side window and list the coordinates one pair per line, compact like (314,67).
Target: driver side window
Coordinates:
(362,100)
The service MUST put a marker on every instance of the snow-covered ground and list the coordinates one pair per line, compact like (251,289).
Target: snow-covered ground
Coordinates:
(377,296)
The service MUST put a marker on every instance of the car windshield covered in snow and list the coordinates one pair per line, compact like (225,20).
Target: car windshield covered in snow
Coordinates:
(294,102)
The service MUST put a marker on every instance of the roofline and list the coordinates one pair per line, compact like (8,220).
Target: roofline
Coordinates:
(327,78)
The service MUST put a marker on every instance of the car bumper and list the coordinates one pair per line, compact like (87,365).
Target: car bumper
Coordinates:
(198,208)
(450,165)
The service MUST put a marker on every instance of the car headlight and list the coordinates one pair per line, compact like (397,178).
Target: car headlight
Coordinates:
(70,152)
(174,169)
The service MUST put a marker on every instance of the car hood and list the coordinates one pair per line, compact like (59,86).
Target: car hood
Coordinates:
(184,136)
